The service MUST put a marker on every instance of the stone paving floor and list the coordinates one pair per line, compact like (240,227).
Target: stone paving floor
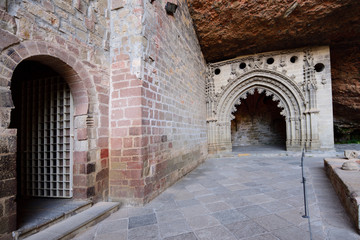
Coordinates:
(248,197)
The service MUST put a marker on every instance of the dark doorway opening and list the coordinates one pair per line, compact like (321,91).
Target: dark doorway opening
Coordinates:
(258,122)
(43,119)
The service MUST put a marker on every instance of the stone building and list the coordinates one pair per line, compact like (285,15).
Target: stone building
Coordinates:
(117,100)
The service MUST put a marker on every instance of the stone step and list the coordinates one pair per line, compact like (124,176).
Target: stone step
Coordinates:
(56,211)
(71,226)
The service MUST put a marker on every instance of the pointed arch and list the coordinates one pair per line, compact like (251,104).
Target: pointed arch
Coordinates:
(283,89)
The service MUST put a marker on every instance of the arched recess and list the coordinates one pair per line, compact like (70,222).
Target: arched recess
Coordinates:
(85,102)
(283,89)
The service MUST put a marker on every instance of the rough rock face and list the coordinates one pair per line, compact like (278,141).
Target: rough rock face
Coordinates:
(345,68)
(232,28)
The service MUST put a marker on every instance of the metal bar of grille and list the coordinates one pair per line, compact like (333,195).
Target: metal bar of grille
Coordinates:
(46,138)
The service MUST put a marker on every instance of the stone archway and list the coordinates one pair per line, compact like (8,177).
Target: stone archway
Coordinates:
(301,128)
(85,102)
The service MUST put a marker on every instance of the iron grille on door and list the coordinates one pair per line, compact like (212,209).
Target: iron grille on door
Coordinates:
(46,142)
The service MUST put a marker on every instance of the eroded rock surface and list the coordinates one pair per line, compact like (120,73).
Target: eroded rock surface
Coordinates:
(228,29)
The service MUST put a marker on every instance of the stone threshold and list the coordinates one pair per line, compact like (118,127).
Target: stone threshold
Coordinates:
(347,187)
(69,227)
(43,213)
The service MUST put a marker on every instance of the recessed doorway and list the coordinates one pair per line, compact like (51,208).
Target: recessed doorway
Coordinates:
(43,117)
(258,122)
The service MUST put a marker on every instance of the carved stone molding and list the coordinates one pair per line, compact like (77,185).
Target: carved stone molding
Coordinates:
(244,76)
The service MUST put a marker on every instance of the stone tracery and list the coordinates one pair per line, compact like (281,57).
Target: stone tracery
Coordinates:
(297,100)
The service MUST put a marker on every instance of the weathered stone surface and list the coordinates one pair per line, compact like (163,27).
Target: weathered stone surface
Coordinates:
(347,187)
(7,188)
(10,206)
(7,166)
(350,166)
(345,71)
(351,154)
(7,39)
(5,98)
(228,29)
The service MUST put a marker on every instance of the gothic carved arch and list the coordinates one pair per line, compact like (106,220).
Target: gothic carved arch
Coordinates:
(282,88)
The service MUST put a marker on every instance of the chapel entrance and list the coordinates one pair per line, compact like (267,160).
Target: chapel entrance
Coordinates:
(258,122)
(43,117)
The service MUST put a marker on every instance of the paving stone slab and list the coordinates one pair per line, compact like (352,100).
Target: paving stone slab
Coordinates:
(272,222)
(229,216)
(142,220)
(204,221)
(184,236)
(245,229)
(168,216)
(149,232)
(173,228)
(215,233)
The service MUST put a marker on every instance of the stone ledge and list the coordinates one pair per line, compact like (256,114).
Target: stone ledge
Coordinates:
(68,228)
(347,187)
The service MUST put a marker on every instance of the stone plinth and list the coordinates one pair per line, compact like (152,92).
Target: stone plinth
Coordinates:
(347,187)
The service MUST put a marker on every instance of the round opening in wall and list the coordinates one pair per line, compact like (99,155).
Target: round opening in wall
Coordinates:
(319,67)
(293,59)
(242,65)
(270,61)
(217,71)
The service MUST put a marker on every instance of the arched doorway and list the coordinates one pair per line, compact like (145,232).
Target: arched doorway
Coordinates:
(291,100)
(257,121)
(43,115)
(71,75)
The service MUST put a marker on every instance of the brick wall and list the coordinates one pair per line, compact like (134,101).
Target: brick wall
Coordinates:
(72,38)
(157,99)
(175,110)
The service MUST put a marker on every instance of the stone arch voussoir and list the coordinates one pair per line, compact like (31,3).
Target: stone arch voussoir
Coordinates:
(82,87)
(72,70)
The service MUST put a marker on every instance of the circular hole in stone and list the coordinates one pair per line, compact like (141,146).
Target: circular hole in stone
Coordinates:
(270,61)
(319,67)
(293,59)
(242,65)
(217,71)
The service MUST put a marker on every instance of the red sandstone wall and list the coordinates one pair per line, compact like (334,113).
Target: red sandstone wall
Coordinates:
(175,110)
(158,130)
(73,35)
(345,71)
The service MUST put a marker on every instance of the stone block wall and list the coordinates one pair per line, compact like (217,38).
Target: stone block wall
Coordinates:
(346,186)
(7,180)
(175,110)
(157,99)
(72,38)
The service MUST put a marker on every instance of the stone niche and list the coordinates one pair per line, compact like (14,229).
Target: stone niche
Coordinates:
(282,96)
